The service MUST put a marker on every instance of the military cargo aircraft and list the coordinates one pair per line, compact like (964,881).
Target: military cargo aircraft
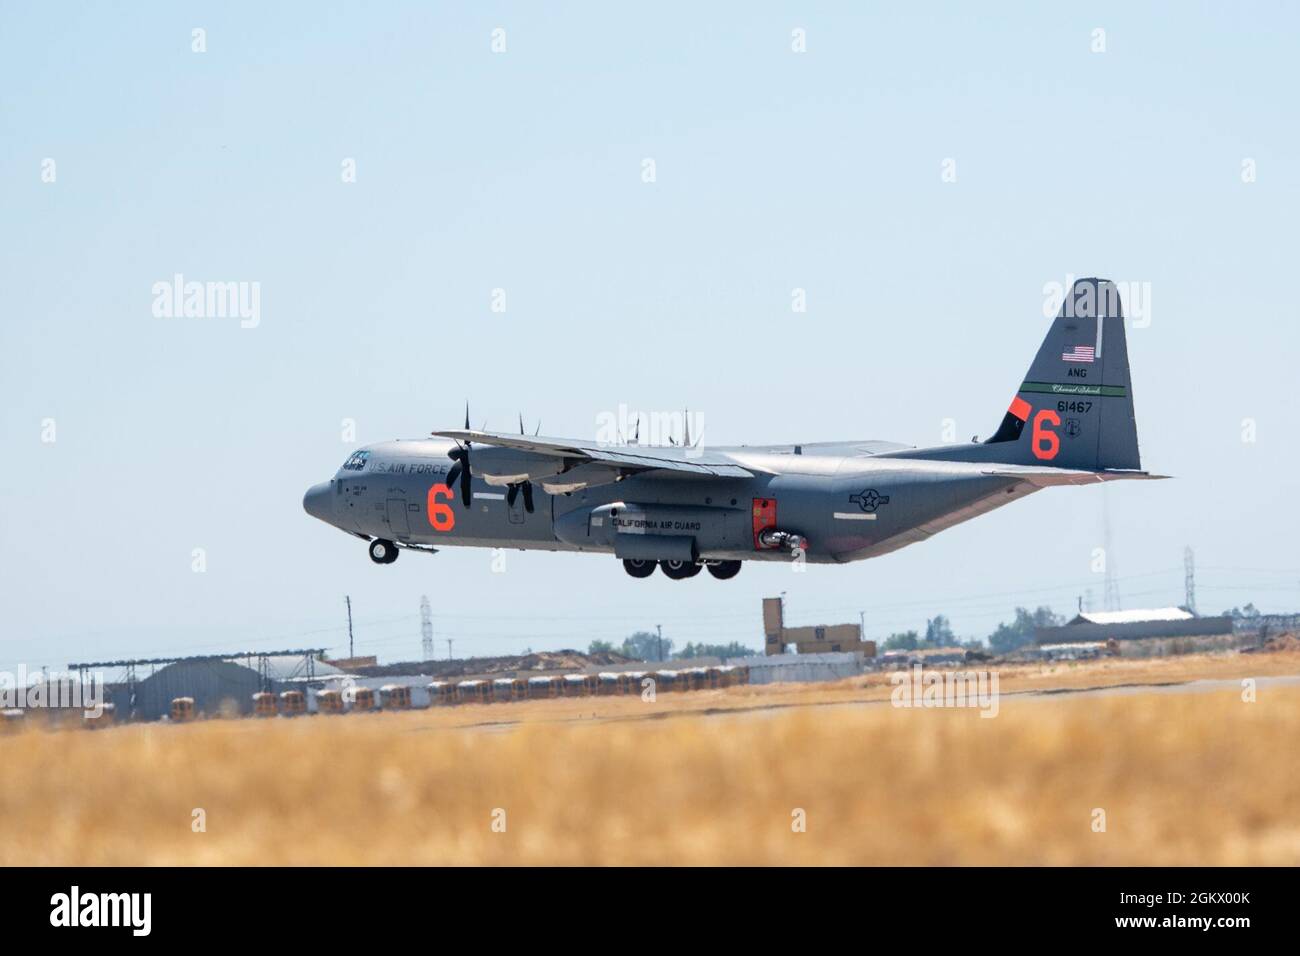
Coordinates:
(683,508)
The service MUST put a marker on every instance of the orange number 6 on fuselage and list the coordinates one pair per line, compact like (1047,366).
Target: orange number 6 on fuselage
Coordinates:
(1041,434)
(441,516)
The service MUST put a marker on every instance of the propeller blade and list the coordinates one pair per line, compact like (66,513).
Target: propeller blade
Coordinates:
(461,470)
(528,496)
(466,492)
(512,492)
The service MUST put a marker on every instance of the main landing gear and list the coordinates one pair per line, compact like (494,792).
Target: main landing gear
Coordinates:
(681,570)
(383,552)
(724,570)
(639,569)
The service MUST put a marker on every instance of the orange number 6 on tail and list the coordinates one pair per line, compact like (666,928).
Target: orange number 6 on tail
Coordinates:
(1046,443)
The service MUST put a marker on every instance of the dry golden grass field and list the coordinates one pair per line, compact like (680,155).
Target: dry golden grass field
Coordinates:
(1195,777)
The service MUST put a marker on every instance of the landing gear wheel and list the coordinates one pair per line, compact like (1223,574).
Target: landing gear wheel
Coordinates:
(680,570)
(638,569)
(724,570)
(383,552)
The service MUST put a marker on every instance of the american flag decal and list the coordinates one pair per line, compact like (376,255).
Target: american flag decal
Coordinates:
(1080,353)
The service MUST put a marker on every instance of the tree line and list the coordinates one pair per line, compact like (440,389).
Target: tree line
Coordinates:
(1006,637)
(648,646)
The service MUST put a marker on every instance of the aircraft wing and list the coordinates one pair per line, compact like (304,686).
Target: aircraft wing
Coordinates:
(849,449)
(683,461)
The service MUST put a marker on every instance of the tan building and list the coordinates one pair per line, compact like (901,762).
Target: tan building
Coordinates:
(819,639)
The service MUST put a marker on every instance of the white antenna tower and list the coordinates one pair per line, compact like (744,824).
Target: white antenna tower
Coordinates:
(1189,578)
(426,627)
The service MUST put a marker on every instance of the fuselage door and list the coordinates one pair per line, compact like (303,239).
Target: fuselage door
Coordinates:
(398,523)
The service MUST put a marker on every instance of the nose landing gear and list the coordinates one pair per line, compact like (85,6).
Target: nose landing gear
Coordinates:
(383,552)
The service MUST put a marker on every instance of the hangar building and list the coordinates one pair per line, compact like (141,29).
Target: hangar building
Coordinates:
(217,685)
(1154,628)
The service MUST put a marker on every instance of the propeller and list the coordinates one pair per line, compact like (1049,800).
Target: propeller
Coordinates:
(512,491)
(461,469)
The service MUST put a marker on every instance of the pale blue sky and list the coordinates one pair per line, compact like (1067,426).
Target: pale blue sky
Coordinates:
(522,171)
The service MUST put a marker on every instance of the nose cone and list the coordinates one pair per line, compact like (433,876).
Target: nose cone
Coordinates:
(319,501)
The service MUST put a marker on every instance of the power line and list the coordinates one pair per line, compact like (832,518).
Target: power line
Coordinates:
(1111,587)
(741,624)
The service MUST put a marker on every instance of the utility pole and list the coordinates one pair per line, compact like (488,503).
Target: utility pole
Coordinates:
(659,629)
(351,652)
(449,657)
(426,627)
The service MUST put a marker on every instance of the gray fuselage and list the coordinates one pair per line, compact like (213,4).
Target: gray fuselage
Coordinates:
(845,506)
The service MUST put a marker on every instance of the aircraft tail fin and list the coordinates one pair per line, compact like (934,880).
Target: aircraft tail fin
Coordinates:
(1074,408)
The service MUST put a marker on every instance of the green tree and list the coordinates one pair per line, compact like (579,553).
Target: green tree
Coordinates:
(906,641)
(645,646)
(1020,632)
(600,647)
(938,632)
(734,649)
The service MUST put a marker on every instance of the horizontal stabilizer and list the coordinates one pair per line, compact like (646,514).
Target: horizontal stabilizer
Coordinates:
(1043,477)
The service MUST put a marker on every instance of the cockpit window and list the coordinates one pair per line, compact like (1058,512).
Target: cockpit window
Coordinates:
(357,461)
